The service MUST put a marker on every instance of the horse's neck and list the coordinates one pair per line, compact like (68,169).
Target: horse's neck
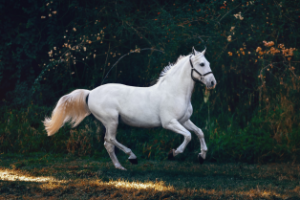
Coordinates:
(179,82)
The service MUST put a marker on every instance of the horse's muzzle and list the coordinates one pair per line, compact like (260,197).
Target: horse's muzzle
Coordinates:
(211,85)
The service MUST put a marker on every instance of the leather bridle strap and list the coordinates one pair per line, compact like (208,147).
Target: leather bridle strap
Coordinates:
(193,69)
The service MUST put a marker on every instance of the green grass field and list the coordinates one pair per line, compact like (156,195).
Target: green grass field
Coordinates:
(53,176)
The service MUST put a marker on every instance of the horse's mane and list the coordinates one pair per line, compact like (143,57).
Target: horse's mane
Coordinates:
(167,68)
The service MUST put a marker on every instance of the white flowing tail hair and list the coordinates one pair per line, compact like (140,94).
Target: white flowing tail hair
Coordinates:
(71,107)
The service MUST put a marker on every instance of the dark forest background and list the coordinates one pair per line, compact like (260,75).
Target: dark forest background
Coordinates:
(50,48)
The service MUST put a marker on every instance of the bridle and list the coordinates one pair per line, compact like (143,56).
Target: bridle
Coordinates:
(193,69)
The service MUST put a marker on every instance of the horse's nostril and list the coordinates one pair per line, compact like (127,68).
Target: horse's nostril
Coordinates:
(212,83)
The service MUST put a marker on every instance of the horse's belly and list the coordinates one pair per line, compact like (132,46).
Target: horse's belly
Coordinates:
(139,108)
(144,120)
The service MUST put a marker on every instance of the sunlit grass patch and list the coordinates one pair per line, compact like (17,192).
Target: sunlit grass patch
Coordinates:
(157,186)
(74,177)
(18,175)
(123,189)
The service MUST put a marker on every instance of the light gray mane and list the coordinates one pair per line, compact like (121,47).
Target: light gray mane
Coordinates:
(167,68)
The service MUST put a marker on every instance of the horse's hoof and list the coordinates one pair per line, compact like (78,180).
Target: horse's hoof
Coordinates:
(201,160)
(121,168)
(133,161)
(170,155)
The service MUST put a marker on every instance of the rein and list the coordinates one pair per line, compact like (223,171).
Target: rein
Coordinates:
(193,69)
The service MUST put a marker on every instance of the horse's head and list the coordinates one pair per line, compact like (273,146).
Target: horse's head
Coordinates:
(201,69)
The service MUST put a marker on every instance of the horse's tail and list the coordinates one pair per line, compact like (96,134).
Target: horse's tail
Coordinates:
(71,107)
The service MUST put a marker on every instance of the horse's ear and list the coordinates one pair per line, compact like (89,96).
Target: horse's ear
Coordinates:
(203,52)
(193,51)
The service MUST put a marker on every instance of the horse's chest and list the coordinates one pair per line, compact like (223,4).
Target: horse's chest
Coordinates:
(180,111)
(187,114)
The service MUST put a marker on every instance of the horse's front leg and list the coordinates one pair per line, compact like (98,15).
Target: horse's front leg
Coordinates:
(175,126)
(192,127)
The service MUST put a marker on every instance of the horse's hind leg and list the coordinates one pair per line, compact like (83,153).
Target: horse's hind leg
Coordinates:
(110,137)
(132,157)
(111,151)
(111,129)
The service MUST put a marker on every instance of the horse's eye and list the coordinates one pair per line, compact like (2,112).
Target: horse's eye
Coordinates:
(202,64)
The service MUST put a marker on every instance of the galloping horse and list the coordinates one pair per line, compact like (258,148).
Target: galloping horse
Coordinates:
(166,104)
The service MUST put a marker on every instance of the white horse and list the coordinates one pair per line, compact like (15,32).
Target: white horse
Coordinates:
(166,104)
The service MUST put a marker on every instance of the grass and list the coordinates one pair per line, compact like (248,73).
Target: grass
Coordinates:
(54,176)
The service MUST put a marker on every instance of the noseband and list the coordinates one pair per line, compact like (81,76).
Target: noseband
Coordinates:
(193,69)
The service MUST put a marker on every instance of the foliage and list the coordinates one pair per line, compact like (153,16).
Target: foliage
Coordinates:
(227,141)
(50,48)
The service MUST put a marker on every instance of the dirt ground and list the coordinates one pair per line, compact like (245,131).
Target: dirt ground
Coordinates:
(47,176)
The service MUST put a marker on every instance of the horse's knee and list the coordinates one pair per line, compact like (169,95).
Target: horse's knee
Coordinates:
(200,133)
(188,137)
(109,147)
(109,139)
